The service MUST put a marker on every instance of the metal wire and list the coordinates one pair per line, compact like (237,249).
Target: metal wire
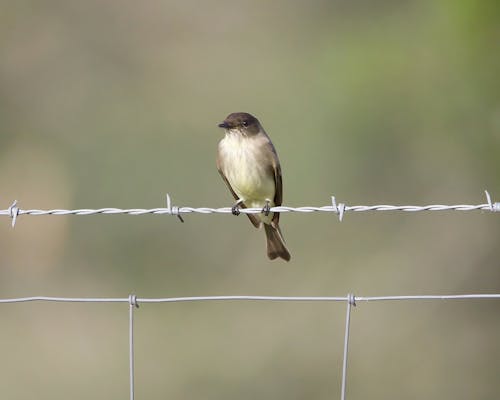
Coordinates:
(141,300)
(340,209)
(281,209)
(351,301)
(14,211)
(132,304)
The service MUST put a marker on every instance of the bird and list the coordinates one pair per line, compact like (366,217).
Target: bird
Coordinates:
(248,163)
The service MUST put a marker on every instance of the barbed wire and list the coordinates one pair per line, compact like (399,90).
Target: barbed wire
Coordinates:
(350,299)
(338,208)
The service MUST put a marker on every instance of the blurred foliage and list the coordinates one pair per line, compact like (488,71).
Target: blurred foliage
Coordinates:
(114,104)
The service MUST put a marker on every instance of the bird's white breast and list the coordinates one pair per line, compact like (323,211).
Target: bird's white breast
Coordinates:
(246,166)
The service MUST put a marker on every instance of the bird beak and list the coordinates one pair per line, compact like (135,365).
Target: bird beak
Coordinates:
(223,125)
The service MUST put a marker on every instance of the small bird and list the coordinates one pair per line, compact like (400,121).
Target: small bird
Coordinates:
(249,165)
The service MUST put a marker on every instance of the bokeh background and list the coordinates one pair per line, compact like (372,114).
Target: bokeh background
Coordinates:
(114,104)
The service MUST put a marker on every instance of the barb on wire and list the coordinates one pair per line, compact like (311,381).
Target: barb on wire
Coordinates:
(338,208)
(173,210)
(494,207)
(13,211)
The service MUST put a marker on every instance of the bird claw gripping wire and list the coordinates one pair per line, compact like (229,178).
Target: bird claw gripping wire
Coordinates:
(173,210)
(266,209)
(235,210)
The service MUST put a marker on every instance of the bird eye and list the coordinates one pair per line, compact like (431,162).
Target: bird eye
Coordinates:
(245,123)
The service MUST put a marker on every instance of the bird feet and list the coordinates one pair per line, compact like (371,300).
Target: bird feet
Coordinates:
(235,210)
(266,209)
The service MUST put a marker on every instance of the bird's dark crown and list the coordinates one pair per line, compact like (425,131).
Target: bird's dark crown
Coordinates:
(239,120)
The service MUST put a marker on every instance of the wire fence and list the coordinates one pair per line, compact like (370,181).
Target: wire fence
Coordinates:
(338,208)
(351,300)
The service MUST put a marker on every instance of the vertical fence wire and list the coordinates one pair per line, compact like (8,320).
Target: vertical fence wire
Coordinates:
(350,302)
(132,304)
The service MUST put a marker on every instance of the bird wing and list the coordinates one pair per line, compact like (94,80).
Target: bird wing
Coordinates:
(278,182)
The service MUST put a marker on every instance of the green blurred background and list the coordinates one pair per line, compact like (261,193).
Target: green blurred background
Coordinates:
(114,104)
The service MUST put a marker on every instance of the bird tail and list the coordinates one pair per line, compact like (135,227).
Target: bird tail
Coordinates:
(275,243)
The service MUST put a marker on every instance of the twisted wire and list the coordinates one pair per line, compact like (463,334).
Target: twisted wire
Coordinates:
(340,209)
(227,210)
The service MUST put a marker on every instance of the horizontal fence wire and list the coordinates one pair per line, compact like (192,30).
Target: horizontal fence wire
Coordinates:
(338,208)
(144,300)
(350,299)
